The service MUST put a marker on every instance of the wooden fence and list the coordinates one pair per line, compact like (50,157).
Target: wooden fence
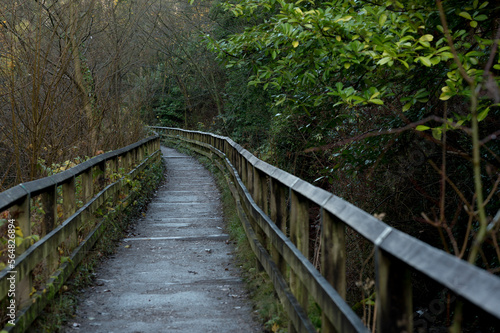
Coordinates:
(84,190)
(273,203)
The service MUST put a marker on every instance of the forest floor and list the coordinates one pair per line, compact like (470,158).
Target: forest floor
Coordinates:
(175,271)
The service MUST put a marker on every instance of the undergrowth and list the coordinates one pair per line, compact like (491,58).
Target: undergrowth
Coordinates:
(63,307)
(258,284)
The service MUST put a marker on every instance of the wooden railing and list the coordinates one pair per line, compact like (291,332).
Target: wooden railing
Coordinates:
(273,203)
(61,247)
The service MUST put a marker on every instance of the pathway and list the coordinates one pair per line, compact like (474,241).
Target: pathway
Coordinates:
(175,272)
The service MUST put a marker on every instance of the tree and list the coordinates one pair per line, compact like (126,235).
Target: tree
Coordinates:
(394,105)
(62,91)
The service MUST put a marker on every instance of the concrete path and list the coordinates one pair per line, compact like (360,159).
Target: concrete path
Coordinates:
(175,272)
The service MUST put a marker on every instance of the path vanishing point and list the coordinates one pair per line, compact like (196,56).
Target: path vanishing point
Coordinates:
(175,272)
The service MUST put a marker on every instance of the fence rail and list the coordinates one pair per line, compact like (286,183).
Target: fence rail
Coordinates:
(273,203)
(77,232)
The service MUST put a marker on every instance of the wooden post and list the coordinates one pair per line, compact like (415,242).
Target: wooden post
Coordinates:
(299,235)
(249,183)
(258,188)
(139,154)
(101,177)
(87,186)
(49,206)
(244,173)
(88,194)
(69,208)
(256,192)
(333,259)
(394,294)
(21,213)
(278,215)
(126,167)
(128,157)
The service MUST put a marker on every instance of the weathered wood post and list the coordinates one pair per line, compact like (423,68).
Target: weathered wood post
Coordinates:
(100,169)
(257,195)
(69,208)
(140,155)
(279,214)
(299,235)
(249,184)
(333,259)
(87,194)
(244,171)
(126,168)
(49,206)
(21,213)
(394,294)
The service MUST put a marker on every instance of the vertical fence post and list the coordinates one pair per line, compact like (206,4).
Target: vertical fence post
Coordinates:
(87,186)
(256,192)
(333,259)
(299,235)
(258,188)
(49,205)
(101,177)
(249,183)
(243,171)
(21,213)
(88,193)
(394,294)
(139,154)
(125,187)
(69,207)
(278,215)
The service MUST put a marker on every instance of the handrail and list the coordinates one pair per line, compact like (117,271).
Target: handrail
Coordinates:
(35,187)
(43,256)
(264,190)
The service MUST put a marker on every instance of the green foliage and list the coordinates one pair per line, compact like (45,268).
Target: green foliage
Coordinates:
(247,116)
(354,53)
(373,100)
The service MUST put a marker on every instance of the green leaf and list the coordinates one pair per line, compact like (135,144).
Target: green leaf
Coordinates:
(382,19)
(64,259)
(483,114)
(480,18)
(484,4)
(407,106)
(426,61)
(435,60)
(426,38)
(446,55)
(422,128)
(404,63)
(465,15)
(384,61)
(376,101)
(445,95)
(473,24)
(436,133)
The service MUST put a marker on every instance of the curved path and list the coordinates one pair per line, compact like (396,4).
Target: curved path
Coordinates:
(175,272)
